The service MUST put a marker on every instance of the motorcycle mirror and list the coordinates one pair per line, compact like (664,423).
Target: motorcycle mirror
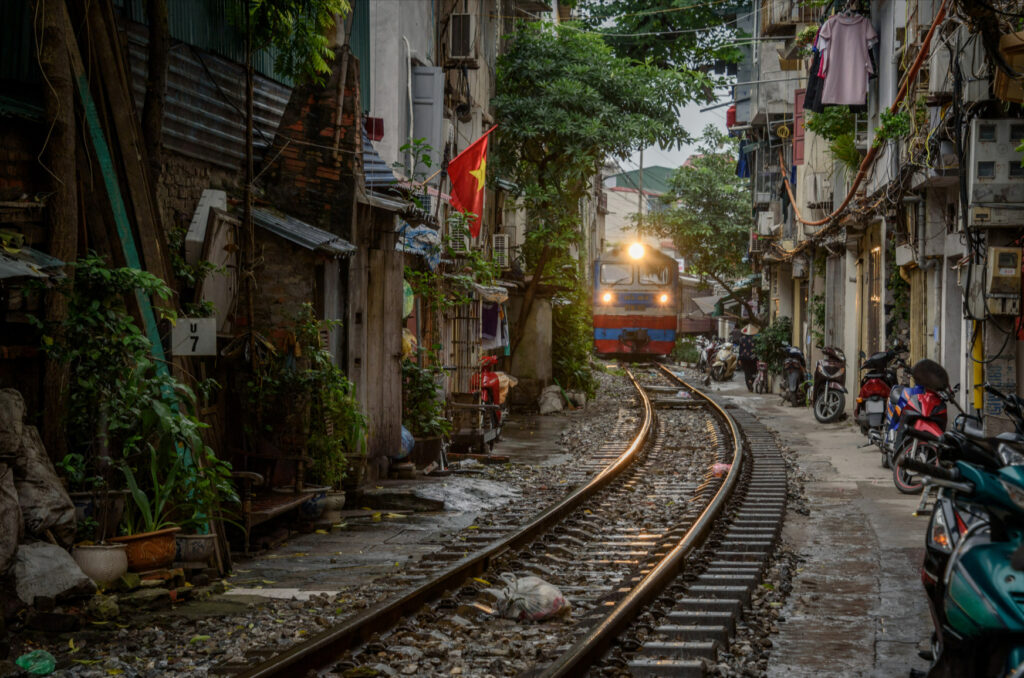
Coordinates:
(862,355)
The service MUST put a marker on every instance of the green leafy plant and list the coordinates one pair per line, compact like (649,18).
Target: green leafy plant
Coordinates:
(806,36)
(685,350)
(832,123)
(152,508)
(844,149)
(770,342)
(816,310)
(894,126)
(300,392)
(422,404)
(573,330)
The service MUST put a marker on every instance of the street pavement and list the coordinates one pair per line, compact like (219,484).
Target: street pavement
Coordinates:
(857,607)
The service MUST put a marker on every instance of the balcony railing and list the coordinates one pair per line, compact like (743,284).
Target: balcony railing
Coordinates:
(780,17)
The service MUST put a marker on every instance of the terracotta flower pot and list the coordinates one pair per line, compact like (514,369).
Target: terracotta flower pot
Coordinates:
(103,563)
(149,550)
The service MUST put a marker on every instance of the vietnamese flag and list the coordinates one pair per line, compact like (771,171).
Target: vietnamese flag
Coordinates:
(467,172)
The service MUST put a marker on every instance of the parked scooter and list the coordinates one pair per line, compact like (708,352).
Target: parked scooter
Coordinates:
(979,533)
(952,516)
(724,365)
(876,382)
(921,407)
(828,393)
(794,377)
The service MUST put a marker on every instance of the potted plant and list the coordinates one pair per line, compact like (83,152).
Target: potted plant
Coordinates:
(98,506)
(423,409)
(209,497)
(148,520)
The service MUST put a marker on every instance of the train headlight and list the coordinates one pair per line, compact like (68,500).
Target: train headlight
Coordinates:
(663,298)
(636,250)
(606,297)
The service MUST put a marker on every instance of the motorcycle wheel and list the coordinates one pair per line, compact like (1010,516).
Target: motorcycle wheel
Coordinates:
(885,460)
(760,386)
(905,481)
(828,406)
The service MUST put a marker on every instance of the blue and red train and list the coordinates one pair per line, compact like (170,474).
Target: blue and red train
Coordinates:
(636,302)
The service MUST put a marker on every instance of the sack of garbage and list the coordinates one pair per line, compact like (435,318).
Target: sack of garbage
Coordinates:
(550,400)
(408,442)
(528,598)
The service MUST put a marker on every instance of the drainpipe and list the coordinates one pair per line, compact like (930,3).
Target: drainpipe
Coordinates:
(408,87)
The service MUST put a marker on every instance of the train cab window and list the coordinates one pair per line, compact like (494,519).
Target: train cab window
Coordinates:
(616,274)
(654,274)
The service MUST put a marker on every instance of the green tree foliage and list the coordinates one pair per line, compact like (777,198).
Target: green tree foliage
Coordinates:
(708,217)
(669,33)
(298,30)
(770,342)
(565,103)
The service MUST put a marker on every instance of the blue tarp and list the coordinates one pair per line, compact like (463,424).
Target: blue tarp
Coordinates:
(421,240)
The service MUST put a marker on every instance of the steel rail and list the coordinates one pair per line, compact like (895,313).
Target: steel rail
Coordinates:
(328,645)
(596,643)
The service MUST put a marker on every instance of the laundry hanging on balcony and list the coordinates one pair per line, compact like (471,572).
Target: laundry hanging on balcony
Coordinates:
(845,43)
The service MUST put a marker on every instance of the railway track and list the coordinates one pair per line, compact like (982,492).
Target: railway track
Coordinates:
(614,546)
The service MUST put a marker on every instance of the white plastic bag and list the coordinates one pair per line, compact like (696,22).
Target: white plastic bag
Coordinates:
(528,598)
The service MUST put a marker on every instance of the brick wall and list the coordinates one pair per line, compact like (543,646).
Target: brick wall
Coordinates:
(286,278)
(183,181)
(309,179)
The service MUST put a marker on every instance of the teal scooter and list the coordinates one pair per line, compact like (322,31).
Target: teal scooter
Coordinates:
(982,620)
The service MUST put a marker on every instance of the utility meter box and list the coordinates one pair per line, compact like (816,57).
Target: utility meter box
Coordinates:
(1002,288)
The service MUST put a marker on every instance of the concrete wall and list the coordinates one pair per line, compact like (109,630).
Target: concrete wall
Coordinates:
(531,362)
(390,22)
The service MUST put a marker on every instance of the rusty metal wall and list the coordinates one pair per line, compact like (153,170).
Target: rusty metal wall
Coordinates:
(204,114)
(464,349)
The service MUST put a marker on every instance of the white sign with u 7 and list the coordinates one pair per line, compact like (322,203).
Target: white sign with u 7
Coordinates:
(194,336)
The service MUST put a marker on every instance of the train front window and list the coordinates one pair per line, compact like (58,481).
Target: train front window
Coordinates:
(654,274)
(616,274)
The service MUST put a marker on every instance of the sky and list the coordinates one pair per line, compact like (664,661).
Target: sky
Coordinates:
(694,121)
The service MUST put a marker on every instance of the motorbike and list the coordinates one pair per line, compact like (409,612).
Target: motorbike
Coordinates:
(876,382)
(951,516)
(794,377)
(724,365)
(761,379)
(922,408)
(706,352)
(828,394)
(975,540)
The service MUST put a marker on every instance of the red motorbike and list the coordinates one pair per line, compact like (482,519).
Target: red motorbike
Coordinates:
(922,409)
(877,380)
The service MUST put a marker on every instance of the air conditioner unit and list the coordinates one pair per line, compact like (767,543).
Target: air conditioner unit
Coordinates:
(762,197)
(940,77)
(995,178)
(765,222)
(460,37)
(1002,288)
(458,239)
(500,246)
(822,191)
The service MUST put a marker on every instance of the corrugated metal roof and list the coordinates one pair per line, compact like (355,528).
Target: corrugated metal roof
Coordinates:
(26,262)
(209,25)
(302,234)
(376,172)
(204,109)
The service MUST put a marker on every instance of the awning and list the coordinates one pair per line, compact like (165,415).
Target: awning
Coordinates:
(26,262)
(376,173)
(707,304)
(302,234)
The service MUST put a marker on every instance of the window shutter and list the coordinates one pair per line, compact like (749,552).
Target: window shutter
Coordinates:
(798,126)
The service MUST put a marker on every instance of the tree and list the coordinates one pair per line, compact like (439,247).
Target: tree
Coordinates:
(565,103)
(298,30)
(670,33)
(709,214)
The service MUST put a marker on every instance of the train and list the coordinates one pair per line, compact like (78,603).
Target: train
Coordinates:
(636,302)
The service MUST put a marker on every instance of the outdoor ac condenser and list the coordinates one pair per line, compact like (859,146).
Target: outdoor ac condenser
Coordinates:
(995,177)
(460,37)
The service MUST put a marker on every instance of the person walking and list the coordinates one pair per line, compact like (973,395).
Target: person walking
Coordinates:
(748,354)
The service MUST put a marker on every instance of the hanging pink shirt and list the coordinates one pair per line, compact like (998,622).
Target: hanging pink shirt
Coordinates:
(844,42)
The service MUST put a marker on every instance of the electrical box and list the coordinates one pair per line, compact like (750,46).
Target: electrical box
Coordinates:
(995,177)
(1002,287)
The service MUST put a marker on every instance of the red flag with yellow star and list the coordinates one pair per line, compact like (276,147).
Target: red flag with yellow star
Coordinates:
(467,172)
